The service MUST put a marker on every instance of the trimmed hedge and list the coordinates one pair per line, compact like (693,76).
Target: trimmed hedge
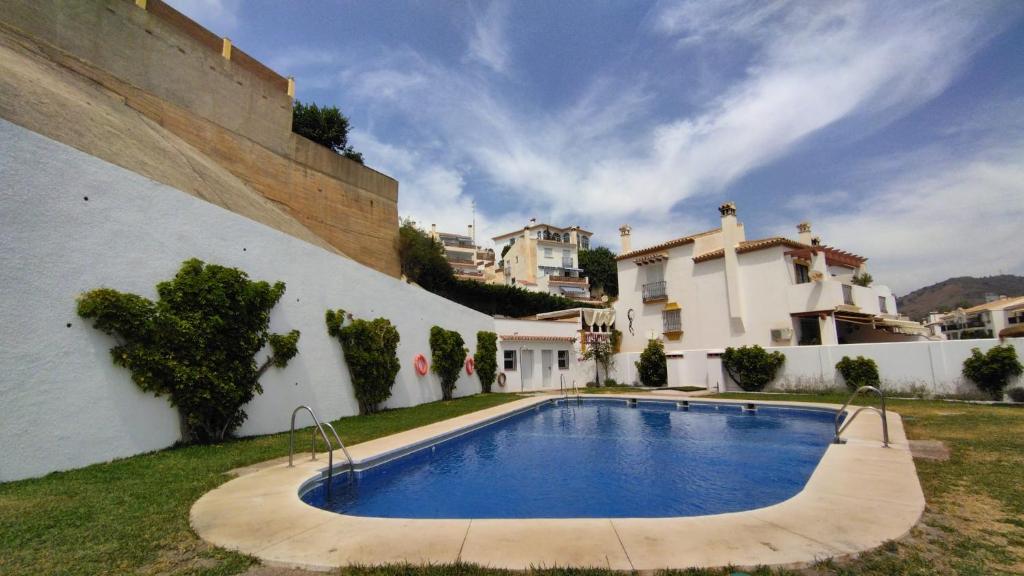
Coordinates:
(653,366)
(448,352)
(486,359)
(859,371)
(752,367)
(371,353)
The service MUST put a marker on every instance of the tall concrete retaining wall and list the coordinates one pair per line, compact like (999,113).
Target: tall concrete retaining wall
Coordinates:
(70,222)
(235,111)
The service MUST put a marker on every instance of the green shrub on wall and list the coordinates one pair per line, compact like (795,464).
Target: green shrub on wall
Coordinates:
(197,343)
(992,370)
(859,371)
(448,353)
(653,366)
(752,367)
(486,359)
(371,353)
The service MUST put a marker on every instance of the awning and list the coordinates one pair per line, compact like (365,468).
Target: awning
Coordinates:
(902,327)
(572,290)
(598,316)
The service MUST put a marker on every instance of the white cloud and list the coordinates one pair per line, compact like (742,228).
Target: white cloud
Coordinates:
(487,43)
(928,225)
(219,16)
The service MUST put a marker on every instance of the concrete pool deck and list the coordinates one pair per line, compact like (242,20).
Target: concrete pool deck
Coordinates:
(859,496)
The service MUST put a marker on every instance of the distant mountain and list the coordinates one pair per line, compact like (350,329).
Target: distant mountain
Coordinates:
(964,291)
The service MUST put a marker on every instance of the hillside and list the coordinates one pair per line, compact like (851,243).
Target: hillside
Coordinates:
(963,291)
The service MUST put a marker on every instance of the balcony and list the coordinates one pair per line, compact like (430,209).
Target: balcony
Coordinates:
(655,291)
(567,279)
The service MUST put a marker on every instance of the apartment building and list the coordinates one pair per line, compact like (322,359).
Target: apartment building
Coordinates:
(986,320)
(716,289)
(544,258)
(467,260)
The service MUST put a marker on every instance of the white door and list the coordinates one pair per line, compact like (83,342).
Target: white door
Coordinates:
(547,366)
(714,380)
(526,363)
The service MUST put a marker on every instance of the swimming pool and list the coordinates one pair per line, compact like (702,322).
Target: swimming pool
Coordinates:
(601,458)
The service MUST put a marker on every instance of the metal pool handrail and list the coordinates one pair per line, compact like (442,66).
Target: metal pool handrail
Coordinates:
(882,413)
(327,441)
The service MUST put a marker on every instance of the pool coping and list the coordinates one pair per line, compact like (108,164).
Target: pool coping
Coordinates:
(859,496)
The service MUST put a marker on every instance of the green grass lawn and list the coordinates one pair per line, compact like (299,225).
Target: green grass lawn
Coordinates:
(131,516)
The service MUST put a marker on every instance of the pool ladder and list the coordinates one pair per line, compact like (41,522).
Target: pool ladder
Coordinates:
(319,426)
(565,389)
(885,421)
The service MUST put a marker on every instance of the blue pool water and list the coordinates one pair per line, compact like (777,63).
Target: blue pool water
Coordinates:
(601,459)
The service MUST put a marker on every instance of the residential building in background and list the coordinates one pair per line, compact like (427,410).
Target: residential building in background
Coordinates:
(543,258)
(984,320)
(716,289)
(466,258)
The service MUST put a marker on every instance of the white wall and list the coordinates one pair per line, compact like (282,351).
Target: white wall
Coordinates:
(933,366)
(63,404)
(578,372)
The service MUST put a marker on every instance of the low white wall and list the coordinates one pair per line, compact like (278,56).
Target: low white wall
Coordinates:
(63,404)
(933,367)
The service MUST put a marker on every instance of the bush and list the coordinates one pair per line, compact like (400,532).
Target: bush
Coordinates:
(326,126)
(859,371)
(448,352)
(371,353)
(652,366)
(1017,394)
(486,359)
(992,370)
(600,351)
(752,367)
(610,382)
(196,344)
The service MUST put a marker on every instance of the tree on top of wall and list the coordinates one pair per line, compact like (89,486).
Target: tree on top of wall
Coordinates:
(599,266)
(326,126)
(197,343)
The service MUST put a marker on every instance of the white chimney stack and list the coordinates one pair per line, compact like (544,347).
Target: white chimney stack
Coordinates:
(804,228)
(624,237)
(469,229)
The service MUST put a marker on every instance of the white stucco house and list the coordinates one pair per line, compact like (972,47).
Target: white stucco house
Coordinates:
(716,289)
(986,320)
(545,352)
(543,258)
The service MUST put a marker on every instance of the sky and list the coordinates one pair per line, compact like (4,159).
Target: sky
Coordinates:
(895,128)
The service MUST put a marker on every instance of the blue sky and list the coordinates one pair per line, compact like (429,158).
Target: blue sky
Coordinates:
(896,128)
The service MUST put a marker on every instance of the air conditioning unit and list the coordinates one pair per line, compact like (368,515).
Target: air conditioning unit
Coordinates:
(781,334)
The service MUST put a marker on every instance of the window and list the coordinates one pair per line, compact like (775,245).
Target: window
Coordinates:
(803,273)
(563,359)
(672,321)
(510,360)
(585,242)
(566,253)
(548,253)
(848,294)
(565,237)
(540,234)
(883,305)
(810,331)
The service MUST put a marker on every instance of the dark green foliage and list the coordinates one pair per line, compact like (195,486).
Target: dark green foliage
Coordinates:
(371,353)
(423,262)
(599,265)
(196,344)
(602,353)
(653,366)
(992,370)
(616,337)
(862,279)
(859,371)
(752,367)
(610,383)
(1016,394)
(326,126)
(486,358)
(448,353)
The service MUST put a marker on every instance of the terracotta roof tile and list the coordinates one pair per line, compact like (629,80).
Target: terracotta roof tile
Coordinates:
(752,246)
(665,245)
(522,338)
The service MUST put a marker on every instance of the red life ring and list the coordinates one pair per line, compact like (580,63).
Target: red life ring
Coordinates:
(420,363)
(470,365)
(501,379)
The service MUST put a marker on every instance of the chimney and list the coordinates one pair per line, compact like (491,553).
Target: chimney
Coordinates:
(624,238)
(533,221)
(469,230)
(433,231)
(804,228)
(732,235)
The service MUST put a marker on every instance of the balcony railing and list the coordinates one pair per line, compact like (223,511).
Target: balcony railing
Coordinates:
(567,279)
(654,291)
